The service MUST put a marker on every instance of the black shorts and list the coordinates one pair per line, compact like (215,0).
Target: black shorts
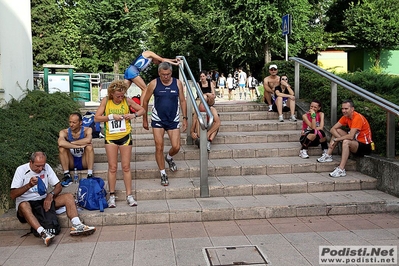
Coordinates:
(125,141)
(363,149)
(32,203)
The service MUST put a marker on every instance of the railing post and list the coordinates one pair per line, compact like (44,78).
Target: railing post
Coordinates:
(390,148)
(333,103)
(296,80)
(204,188)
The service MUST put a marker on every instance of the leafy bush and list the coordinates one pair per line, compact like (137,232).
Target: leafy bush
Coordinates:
(31,124)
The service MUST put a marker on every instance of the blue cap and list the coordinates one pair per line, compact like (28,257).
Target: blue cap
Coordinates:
(41,187)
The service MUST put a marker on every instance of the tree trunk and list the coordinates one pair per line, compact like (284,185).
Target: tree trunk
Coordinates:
(116,68)
(268,55)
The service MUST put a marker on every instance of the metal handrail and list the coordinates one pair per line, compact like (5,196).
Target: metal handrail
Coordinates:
(204,123)
(391,108)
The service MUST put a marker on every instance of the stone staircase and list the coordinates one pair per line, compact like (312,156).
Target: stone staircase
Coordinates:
(254,172)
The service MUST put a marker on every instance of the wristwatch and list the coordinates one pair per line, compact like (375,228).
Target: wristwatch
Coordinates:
(52,192)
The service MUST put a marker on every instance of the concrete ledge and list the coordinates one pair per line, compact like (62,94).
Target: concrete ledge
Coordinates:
(230,208)
(385,170)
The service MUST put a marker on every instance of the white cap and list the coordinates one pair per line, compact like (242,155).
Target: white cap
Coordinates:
(273,66)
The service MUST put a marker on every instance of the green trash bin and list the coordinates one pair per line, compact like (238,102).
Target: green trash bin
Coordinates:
(81,87)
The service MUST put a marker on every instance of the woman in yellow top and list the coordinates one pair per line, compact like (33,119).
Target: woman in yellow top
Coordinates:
(115,113)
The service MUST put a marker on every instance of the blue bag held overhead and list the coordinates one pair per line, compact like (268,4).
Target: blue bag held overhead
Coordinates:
(88,121)
(91,194)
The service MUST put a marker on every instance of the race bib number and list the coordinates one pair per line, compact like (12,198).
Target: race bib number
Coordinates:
(117,126)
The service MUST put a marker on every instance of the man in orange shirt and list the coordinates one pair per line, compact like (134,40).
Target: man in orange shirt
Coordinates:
(358,140)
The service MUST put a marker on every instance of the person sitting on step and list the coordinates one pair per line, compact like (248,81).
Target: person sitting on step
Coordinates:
(312,130)
(75,148)
(25,191)
(212,131)
(284,99)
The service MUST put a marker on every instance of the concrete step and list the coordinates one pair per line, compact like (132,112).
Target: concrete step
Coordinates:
(232,137)
(245,125)
(249,185)
(219,151)
(228,167)
(230,208)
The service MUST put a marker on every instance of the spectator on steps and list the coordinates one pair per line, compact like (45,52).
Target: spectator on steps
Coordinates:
(284,99)
(212,131)
(357,141)
(269,83)
(208,88)
(75,148)
(25,191)
(312,130)
(114,112)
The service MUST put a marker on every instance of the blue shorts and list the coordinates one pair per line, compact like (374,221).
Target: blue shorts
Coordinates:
(77,163)
(131,72)
(242,85)
(167,126)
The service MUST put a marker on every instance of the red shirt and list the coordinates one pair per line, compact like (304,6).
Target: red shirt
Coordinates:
(359,122)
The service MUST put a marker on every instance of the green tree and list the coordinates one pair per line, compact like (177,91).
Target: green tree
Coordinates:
(373,25)
(252,29)
(117,27)
(46,40)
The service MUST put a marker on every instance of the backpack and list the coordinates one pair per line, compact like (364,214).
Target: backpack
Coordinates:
(136,99)
(254,82)
(91,194)
(88,121)
(48,220)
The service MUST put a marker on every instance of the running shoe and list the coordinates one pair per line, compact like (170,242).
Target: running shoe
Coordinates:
(81,229)
(130,200)
(338,172)
(47,237)
(172,165)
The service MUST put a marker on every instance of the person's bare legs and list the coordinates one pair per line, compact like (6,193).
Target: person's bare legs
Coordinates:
(25,210)
(112,157)
(174,136)
(159,146)
(64,158)
(291,104)
(279,104)
(126,154)
(348,146)
(68,201)
(88,157)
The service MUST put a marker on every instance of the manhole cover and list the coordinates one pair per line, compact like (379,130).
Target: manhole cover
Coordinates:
(238,255)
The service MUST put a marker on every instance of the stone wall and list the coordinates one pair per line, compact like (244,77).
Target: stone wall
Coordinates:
(385,170)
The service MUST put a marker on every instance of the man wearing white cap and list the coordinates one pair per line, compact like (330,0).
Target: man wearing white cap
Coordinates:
(269,83)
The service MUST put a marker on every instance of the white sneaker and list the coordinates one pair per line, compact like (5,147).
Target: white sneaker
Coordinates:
(130,200)
(338,172)
(293,118)
(325,158)
(304,154)
(280,118)
(111,201)
(208,146)
(300,153)
(270,108)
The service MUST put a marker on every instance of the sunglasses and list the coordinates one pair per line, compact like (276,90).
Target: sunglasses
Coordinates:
(284,79)
(273,69)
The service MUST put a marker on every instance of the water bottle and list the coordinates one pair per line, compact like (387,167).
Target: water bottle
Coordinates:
(75,176)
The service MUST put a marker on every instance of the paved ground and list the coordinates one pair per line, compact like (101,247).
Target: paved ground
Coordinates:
(285,241)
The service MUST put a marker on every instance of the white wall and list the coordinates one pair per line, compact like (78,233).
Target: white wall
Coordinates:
(16,62)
